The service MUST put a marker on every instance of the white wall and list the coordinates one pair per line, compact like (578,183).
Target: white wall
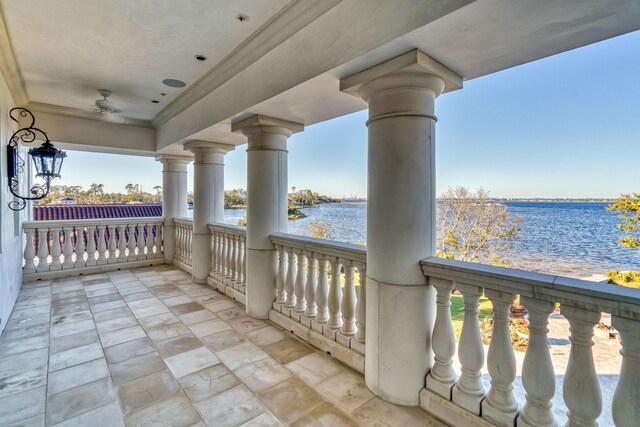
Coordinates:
(10,221)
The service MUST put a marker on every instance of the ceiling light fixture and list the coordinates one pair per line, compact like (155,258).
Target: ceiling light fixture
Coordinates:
(174,83)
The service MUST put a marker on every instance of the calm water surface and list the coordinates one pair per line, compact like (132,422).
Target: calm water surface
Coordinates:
(569,238)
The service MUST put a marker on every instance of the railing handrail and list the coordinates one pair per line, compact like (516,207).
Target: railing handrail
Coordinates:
(228,228)
(96,221)
(331,248)
(609,298)
(183,220)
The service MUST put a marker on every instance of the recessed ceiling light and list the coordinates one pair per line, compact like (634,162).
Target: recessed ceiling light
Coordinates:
(155,101)
(242,17)
(174,83)
(201,57)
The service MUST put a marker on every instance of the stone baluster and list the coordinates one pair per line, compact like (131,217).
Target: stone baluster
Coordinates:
(322,291)
(348,305)
(102,245)
(159,253)
(228,254)
(233,241)
(361,306)
(241,257)
(43,250)
(149,241)
(223,255)
(538,377)
(180,242)
(469,391)
(626,411)
(29,252)
(441,378)
(310,289)
(581,389)
(91,245)
(335,297)
(219,255)
(291,279)
(56,250)
(214,254)
(281,294)
(500,406)
(67,249)
(132,242)
(122,243)
(141,242)
(80,247)
(301,282)
(113,244)
(188,246)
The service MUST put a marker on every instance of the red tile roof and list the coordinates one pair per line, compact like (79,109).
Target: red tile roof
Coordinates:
(71,212)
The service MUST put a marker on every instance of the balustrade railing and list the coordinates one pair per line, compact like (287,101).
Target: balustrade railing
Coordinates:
(228,257)
(581,302)
(322,284)
(184,236)
(54,246)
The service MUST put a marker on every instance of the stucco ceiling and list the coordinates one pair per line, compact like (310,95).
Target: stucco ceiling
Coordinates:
(67,49)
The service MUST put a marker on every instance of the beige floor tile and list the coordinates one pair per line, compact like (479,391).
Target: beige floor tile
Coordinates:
(208,382)
(175,411)
(71,317)
(24,362)
(122,335)
(74,340)
(291,399)
(172,330)
(153,310)
(128,350)
(346,390)
(112,314)
(143,303)
(35,421)
(74,402)
(232,314)
(266,336)
(315,368)
(137,296)
(288,350)
(209,327)
(326,415)
(177,345)
(20,406)
(19,345)
(13,383)
(186,308)
(247,324)
(75,356)
(223,340)
(263,374)
(191,361)
(179,300)
(64,329)
(107,415)
(75,376)
(116,324)
(265,420)
(196,317)
(137,367)
(108,306)
(132,288)
(377,412)
(31,331)
(163,319)
(146,390)
(220,305)
(230,408)
(167,291)
(241,355)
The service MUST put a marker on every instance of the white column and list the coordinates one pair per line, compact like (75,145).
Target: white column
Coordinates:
(174,198)
(401,213)
(267,204)
(208,200)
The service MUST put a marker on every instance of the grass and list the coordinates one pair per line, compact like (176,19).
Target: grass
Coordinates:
(629,279)
(457,312)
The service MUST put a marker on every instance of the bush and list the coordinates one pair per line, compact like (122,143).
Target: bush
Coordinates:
(518,330)
(630,279)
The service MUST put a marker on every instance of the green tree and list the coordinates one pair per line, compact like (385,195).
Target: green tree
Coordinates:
(475,228)
(628,207)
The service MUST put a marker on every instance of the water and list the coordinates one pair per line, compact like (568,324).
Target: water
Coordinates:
(569,238)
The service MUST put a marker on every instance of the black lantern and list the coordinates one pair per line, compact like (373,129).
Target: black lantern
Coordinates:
(47,160)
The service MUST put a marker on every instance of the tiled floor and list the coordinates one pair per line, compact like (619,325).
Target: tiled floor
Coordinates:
(148,347)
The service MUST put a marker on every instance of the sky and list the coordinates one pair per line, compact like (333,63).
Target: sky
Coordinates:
(564,126)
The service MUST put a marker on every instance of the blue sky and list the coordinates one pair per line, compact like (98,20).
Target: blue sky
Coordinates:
(564,126)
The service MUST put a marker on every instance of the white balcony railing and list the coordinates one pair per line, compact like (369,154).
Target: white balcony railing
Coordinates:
(317,288)
(228,259)
(60,248)
(581,302)
(183,237)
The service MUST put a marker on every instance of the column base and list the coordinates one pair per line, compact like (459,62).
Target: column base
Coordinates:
(261,282)
(469,402)
(438,387)
(498,417)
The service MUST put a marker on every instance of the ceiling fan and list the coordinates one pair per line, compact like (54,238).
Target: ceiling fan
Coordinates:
(104,105)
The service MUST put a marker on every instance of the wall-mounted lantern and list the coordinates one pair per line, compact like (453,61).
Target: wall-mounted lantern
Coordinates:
(47,160)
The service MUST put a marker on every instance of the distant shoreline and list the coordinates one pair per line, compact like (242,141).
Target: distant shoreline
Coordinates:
(499,199)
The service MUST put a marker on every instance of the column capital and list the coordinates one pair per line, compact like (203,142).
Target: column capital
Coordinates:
(207,152)
(396,71)
(173,162)
(259,123)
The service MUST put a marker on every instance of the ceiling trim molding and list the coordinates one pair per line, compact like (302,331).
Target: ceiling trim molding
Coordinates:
(9,65)
(88,115)
(291,19)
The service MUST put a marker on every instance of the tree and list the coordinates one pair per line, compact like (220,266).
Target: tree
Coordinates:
(474,227)
(129,188)
(628,206)
(158,189)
